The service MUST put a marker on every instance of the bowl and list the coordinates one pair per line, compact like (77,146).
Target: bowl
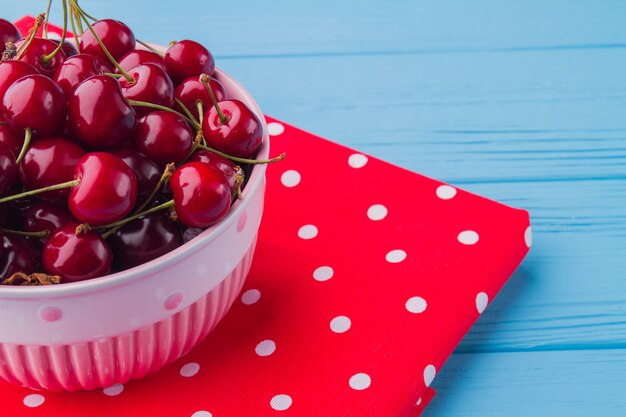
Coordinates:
(96,333)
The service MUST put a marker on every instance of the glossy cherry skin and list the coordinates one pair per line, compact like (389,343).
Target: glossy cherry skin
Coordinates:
(68,48)
(48,216)
(151,84)
(201,194)
(192,90)
(146,171)
(241,135)
(48,162)
(228,167)
(11,71)
(144,239)
(187,59)
(165,137)
(75,70)
(12,138)
(115,35)
(8,33)
(39,48)
(36,102)
(8,169)
(139,57)
(107,190)
(17,255)
(76,257)
(99,115)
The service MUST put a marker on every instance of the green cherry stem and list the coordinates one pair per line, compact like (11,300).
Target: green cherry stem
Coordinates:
(122,222)
(110,74)
(74,31)
(43,233)
(186,110)
(31,35)
(45,25)
(79,22)
(28,134)
(83,12)
(48,58)
(200,107)
(150,47)
(59,186)
(194,123)
(244,160)
(205,79)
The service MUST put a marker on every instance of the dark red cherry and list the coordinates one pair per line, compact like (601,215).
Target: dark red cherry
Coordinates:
(36,102)
(99,115)
(76,257)
(11,71)
(107,190)
(144,239)
(139,57)
(12,138)
(201,194)
(8,169)
(46,216)
(146,171)
(228,167)
(75,70)
(240,135)
(8,33)
(165,137)
(48,162)
(36,53)
(187,59)
(115,35)
(17,255)
(192,90)
(151,84)
(68,48)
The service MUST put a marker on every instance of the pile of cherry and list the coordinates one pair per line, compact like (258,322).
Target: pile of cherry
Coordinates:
(111,156)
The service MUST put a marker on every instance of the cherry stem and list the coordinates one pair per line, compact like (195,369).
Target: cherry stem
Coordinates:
(110,74)
(4,124)
(200,107)
(167,173)
(186,110)
(205,79)
(150,47)
(31,35)
(43,233)
(48,58)
(45,26)
(196,141)
(81,10)
(159,107)
(244,160)
(79,22)
(28,134)
(122,222)
(60,186)
(73,22)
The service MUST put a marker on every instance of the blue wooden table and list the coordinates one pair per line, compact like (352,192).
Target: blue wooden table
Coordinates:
(524,102)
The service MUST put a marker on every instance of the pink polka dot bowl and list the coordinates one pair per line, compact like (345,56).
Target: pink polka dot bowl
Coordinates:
(96,333)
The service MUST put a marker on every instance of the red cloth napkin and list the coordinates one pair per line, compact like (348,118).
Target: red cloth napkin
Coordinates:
(366,277)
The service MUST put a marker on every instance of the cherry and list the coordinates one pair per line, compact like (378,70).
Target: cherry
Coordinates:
(146,171)
(192,90)
(233,173)
(8,169)
(44,215)
(35,102)
(186,59)
(76,257)
(107,190)
(11,71)
(238,133)
(151,84)
(99,115)
(47,162)
(68,48)
(144,239)
(12,138)
(163,136)
(118,38)
(139,57)
(201,194)
(39,55)
(8,32)
(17,255)
(75,70)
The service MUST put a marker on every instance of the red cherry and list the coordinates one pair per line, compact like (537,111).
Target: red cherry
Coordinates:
(146,171)
(99,115)
(75,70)
(201,194)
(232,171)
(44,215)
(192,90)
(35,102)
(8,32)
(107,190)
(12,138)
(68,48)
(76,257)
(151,85)
(115,35)
(8,169)
(187,59)
(47,162)
(11,71)
(139,57)
(37,50)
(17,255)
(240,135)
(163,136)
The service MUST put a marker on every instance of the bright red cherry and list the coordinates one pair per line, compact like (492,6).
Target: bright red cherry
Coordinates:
(17,255)
(12,138)
(48,162)
(75,70)
(99,115)
(8,32)
(8,169)
(115,35)
(163,136)
(146,171)
(107,190)
(11,71)
(36,53)
(239,135)
(35,102)
(139,57)
(192,90)
(151,84)
(76,257)
(187,59)
(201,194)
(233,173)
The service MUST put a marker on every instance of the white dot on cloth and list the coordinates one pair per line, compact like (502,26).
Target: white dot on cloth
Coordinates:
(265,348)
(340,324)
(429,374)
(281,402)
(34,400)
(360,381)
(202,413)
(290,178)
(528,236)
(468,237)
(275,128)
(357,160)
(323,273)
(307,231)
(395,256)
(189,369)
(445,192)
(113,390)
(482,299)
(250,297)
(416,305)
(377,212)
